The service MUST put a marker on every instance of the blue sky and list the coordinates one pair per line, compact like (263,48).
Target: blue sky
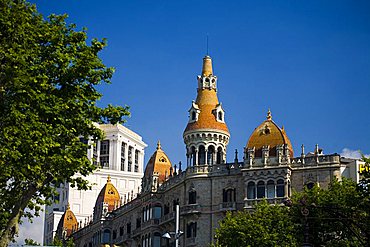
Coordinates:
(309,61)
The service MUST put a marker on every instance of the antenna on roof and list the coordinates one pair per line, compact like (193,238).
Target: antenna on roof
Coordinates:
(207,45)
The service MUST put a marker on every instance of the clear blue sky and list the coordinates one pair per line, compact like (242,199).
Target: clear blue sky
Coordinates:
(309,61)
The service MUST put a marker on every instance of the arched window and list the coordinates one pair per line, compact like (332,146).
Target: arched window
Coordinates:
(202,155)
(270,189)
(192,197)
(229,195)
(261,189)
(219,155)
(280,192)
(251,190)
(211,151)
(191,230)
(156,240)
(106,237)
(193,156)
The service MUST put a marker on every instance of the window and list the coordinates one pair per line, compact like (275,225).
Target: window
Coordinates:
(95,153)
(280,188)
(220,117)
(191,230)
(114,234)
(192,197)
(175,202)
(123,156)
(138,222)
(229,195)
(104,154)
(210,154)
(106,237)
(261,189)
(157,239)
(251,190)
(128,228)
(136,161)
(121,231)
(193,156)
(219,156)
(129,158)
(157,212)
(193,116)
(202,155)
(166,209)
(270,189)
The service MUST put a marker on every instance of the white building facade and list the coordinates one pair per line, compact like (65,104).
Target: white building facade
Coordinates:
(119,155)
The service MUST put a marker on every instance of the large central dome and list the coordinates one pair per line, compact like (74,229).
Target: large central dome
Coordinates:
(269,134)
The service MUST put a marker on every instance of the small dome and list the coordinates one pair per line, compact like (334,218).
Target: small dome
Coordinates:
(159,163)
(67,224)
(269,134)
(108,194)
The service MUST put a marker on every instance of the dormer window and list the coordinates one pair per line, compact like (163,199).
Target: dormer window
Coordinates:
(220,116)
(193,112)
(193,115)
(219,113)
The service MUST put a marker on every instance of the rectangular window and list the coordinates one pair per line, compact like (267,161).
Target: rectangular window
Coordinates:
(136,161)
(123,157)
(104,154)
(121,231)
(95,153)
(128,228)
(129,158)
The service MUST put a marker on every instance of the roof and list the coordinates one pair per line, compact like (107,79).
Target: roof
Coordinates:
(158,163)
(268,133)
(68,223)
(207,102)
(108,194)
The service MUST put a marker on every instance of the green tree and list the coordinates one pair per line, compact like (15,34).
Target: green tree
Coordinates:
(267,225)
(29,241)
(338,216)
(48,79)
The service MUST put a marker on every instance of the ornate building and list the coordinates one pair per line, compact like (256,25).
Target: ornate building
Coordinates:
(120,156)
(208,186)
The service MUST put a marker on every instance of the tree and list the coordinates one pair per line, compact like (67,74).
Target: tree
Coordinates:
(338,216)
(29,241)
(48,95)
(267,225)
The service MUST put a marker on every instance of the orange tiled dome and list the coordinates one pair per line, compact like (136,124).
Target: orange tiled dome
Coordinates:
(108,194)
(160,163)
(207,102)
(269,134)
(67,224)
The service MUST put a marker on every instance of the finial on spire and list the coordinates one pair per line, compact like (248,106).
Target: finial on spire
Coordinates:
(207,66)
(269,117)
(159,145)
(68,206)
(108,179)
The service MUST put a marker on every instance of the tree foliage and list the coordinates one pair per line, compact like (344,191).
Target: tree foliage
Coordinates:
(48,79)
(31,242)
(337,216)
(267,225)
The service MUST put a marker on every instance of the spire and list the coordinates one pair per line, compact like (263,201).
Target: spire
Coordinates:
(269,117)
(207,66)
(159,145)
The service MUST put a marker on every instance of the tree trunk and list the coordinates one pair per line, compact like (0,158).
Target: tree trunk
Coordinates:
(12,227)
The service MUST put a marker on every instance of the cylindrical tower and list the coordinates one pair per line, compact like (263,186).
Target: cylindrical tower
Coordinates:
(206,135)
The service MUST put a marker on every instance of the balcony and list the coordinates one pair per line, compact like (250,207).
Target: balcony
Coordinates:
(190,209)
(227,206)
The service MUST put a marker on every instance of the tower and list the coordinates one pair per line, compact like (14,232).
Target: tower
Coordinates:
(206,135)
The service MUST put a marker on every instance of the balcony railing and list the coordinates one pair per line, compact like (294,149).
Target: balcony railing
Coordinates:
(227,206)
(190,209)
